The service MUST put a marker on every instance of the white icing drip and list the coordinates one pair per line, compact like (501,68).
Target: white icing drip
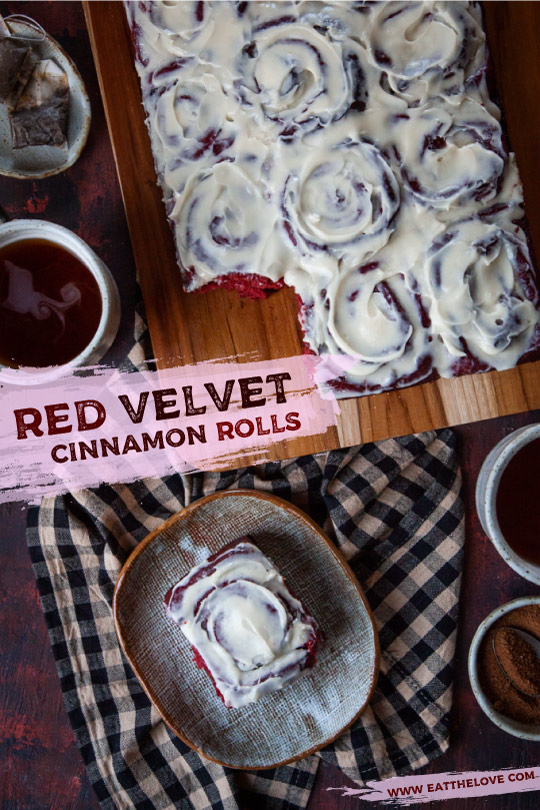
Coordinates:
(304,140)
(241,618)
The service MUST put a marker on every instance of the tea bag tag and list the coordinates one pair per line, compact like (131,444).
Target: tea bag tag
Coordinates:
(21,18)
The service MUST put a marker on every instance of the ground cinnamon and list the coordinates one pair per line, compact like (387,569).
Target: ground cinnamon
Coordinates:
(519,660)
(520,663)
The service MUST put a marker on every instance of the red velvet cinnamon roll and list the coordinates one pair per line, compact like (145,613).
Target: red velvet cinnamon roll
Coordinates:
(378,323)
(449,156)
(297,142)
(293,74)
(426,49)
(247,630)
(224,226)
(303,65)
(483,297)
(342,201)
(179,28)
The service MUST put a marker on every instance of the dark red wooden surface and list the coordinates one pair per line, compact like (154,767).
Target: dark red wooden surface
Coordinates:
(40,767)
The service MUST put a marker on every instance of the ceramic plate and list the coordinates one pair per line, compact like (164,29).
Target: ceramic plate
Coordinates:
(282,726)
(44,161)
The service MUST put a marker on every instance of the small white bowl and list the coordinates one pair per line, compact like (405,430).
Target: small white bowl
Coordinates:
(525,731)
(487,487)
(22,229)
(45,161)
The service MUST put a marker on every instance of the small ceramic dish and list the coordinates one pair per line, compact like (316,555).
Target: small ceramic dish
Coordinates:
(524,731)
(20,229)
(285,725)
(487,487)
(43,161)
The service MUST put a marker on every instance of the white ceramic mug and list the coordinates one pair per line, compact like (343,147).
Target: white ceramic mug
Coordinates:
(487,487)
(22,229)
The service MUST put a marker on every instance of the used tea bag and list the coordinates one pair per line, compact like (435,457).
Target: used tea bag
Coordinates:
(41,114)
(17,61)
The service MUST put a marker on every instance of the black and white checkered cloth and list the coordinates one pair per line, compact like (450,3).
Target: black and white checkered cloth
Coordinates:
(395,511)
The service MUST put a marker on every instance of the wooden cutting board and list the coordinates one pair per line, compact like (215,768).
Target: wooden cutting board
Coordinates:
(218,324)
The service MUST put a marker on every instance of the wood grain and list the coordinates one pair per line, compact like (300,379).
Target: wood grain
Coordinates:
(219,324)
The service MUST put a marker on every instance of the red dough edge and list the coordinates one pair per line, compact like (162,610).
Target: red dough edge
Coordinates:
(248,285)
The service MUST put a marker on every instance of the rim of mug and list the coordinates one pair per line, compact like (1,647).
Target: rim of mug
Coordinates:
(508,448)
(19,230)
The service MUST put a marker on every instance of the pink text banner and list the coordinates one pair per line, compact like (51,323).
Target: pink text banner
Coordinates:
(112,426)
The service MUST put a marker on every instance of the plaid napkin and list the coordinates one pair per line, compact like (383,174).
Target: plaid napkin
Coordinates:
(395,511)
(393,508)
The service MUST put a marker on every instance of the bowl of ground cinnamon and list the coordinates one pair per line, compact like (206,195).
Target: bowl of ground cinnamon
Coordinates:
(504,667)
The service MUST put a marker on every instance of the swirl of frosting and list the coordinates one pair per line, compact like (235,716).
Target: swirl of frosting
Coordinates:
(191,116)
(252,635)
(248,621)
(448,157)
(170,34)
(366,320)
(182,26)
(374,319)
(293,74)
(223,223)
(343,201)
(482,295)
(426,48)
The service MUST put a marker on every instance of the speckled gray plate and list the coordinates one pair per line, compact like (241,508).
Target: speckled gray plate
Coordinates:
(284,725)
(44,161)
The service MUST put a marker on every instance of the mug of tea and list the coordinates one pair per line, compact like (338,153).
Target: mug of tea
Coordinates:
(508,500)
(59,304)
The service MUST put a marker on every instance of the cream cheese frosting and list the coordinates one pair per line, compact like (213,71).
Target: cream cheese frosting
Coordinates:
(351,151)
(253,636)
